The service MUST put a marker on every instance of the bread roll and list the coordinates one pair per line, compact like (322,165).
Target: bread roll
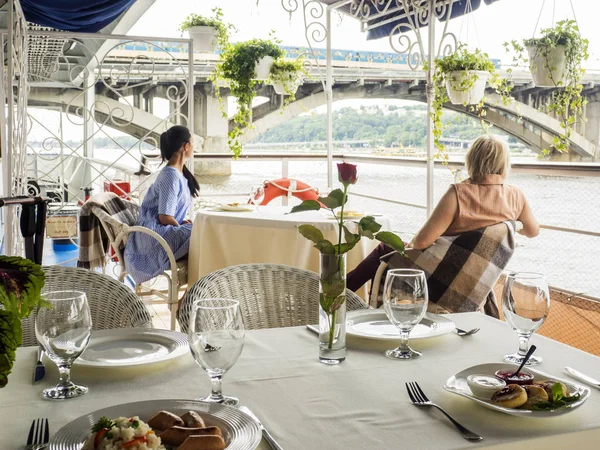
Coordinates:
(203,443)
(512,396)
(177,435)
(192,419)
(535,394)
(164,420)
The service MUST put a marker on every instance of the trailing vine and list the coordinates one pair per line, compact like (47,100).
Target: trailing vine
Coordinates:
(566,102)
(462,60)
(288,74)
(237,66)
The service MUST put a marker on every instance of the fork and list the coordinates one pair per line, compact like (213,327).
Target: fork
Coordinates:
(39,435)
(463,333)
(418,397)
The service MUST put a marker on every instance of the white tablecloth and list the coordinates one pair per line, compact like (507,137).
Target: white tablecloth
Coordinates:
(267,235)
(360,404)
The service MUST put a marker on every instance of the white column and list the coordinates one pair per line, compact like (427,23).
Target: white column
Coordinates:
(429,90)
(329,97)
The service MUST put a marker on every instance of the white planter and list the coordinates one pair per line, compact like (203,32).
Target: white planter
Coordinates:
(263,68)
(455,82)
(205,38)
(547,65)
(292,84)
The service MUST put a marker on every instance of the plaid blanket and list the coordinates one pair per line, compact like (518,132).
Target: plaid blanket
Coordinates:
(461,270)
(93,241)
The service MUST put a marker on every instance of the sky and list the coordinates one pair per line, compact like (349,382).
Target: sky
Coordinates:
(487,28)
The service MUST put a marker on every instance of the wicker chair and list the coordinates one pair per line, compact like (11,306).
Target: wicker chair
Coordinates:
(271,295)
(112,304)
(118,232)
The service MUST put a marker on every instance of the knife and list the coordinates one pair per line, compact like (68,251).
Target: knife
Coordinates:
(313,328)
(39,372)
(272,442)
(578,375)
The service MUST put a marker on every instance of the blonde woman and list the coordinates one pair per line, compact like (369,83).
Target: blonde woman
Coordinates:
(481,200)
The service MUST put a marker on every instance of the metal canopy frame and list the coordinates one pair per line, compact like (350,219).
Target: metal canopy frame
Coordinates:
(14,87)
(419,43)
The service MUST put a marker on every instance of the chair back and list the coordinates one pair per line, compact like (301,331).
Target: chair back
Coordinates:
(270,295)
(115,230)
(112,304)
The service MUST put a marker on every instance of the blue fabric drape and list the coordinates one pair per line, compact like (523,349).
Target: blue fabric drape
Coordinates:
(74,15)
(459,8)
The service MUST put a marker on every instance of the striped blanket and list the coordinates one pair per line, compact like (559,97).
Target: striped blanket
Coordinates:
(93,241)
(461,270)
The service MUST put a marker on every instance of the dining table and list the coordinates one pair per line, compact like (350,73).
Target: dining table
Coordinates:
(360,403)
(266,234)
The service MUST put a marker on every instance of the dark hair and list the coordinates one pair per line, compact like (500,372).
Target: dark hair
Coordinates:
(170,143)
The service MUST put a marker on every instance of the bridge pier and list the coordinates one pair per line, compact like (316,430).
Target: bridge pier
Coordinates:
(591,127)
(213,127)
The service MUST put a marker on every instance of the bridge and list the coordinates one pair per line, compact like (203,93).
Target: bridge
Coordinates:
(130,77)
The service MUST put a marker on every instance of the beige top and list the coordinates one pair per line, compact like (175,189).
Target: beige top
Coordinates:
(485,203)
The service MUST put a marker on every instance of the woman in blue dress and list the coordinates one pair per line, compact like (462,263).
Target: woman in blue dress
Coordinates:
(164,209)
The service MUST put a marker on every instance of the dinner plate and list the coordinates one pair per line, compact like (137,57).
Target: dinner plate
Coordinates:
(240,432)
(237,208)
(374,324)
(126,347)
(457,384)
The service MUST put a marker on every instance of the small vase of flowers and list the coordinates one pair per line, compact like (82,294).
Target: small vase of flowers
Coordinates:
(332,280)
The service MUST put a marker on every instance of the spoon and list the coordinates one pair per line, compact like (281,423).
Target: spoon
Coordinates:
(527,356)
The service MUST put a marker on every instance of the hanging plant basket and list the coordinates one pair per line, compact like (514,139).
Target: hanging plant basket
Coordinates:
(466,87)
(287,87)
(548,65)
(205,38)
(263,68)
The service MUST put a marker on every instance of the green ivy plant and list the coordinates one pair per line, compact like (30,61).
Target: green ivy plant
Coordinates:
(21,283)
(237,66)
(566,103)
(462,59)
(288,74)
(223,29)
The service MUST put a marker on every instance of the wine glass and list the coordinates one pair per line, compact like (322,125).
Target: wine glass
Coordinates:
(525,305)
(64,330)
(405,301)
(257,196)
(216,336)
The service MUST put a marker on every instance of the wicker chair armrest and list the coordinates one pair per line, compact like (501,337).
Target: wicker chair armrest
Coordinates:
(137,229)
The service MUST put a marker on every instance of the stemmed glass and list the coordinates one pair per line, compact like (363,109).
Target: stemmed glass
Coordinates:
(64,330)
(257,196)
(405,302)
(216,336)
(525,305)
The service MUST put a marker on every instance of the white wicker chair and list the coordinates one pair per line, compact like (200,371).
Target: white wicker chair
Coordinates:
(176,276)
(271,295)
(112,304)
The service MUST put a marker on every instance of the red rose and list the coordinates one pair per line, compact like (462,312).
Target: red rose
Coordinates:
(347,173)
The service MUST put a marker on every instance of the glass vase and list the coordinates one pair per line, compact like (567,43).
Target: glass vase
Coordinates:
(332,309)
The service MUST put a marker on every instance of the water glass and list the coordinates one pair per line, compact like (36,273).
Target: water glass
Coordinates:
(257,196)
(525,305)
(405,301)
(64,330)
(216,335)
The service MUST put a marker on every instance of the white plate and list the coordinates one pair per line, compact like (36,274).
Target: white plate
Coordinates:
(126,347)
(457,384)
(240,207)
(240,432)
(374,324)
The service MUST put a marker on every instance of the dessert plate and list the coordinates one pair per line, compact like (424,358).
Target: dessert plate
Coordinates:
(127,347)
(374,324)
(457,384)
(236,208)
(240,432)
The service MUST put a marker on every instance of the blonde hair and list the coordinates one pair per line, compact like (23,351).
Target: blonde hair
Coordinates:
(488,155)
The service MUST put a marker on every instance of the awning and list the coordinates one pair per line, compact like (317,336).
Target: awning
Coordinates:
(381,17)
(74,15)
